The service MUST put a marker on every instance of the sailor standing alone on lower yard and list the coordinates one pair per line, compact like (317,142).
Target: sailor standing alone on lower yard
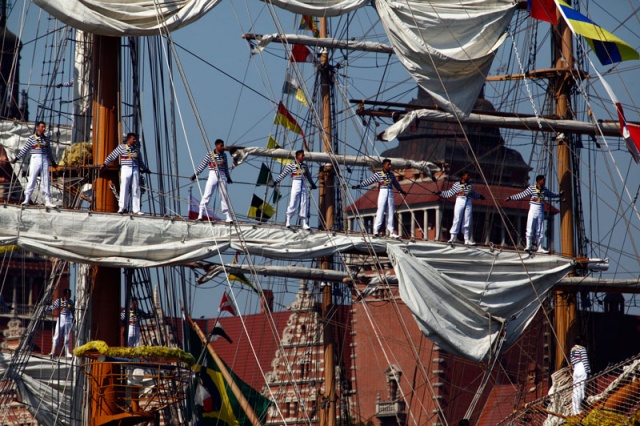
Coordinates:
(65,322)
(581,370)
(387,180)
(535,219)
(131,165)
(135,315)
(39,146)
(462,213)
(218,178)
(301,181)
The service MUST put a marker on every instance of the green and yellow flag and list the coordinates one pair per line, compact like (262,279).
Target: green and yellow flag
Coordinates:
(273,144)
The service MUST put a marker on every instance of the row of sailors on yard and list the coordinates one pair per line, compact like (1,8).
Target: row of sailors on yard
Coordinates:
(66,311)
(132,164)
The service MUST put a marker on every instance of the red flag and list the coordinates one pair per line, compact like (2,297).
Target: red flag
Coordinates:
(301,53)
(544,10)
(226,304)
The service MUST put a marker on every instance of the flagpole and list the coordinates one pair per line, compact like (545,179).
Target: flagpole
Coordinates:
(244,404)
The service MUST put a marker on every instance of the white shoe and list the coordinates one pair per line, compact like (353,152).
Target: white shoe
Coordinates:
(228,220)
(470,243)
(541,250)
(528,247)
(139,213)
(305,225)
(288,224)
(120,211)
(394,236)
(69,356)
(50,205)
(26,202)
(451,241)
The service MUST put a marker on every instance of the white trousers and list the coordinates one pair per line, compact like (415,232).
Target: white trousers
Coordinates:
(63,328)
(299,199)
(129,184)
(385,204)
(212,183)
(579,378)
(461,217)
(535,224)
(39,166)
(134,336)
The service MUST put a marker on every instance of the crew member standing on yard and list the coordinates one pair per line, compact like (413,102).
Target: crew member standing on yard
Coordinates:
(131,165)
(39,146)
(535,219)
(301,180)
(64,323)
(581,370)
(462,213)
(218,178)
(135,315)
(386,180)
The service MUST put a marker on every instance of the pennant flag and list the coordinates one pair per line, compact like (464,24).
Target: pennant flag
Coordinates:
(260,210)
(301,53)
(215,402)
(219,331)
(240,277)
(194,209)
(544,10)
(285,119)
(630,132)
(265,177)
(308,22)
(291,87)
(273,144)
(226,304)
(607,47)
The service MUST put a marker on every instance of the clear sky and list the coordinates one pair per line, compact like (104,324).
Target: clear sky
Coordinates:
(216,60)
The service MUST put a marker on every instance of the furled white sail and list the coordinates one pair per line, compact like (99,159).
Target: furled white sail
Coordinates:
(472,304)
(447,46)
(127,17)
(324,8)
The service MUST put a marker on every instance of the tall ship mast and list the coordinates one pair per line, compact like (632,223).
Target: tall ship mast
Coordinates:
(332,324)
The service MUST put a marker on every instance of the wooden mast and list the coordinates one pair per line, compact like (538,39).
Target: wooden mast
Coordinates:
(105,294)
(327,408)
(564,301)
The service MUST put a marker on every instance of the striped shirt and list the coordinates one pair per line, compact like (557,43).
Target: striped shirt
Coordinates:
(135,315)
(66,307)
(537,195)
(461,190)
(384,179)
(129,156)
(297,172)
(579,355)
(215,160)
(39,145)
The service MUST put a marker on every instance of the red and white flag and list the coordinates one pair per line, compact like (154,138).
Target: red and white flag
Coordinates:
(301,53)
(226,304)
(630,132)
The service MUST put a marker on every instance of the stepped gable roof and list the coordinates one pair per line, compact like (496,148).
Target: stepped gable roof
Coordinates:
(421,193)
(446,143)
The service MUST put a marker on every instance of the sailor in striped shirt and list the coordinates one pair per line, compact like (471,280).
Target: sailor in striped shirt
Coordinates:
(39,146)
(386,180)
(462,211)
(131,165)
(64,323)
(135,315)
(581,370)
(535,219)
(218,178)
(301,180)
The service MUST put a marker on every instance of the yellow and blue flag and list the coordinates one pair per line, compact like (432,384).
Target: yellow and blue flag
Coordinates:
(608,48)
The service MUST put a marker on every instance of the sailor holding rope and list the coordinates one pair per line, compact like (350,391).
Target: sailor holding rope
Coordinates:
(386,180)
(218,178)
(131,165)
(301,180)
(462,213)
(39,146)
(535,219)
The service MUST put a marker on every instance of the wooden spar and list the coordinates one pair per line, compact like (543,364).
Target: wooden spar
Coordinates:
(565,301)
(328,43)
(244,404)
(105,293)
(493,119)
(327,214)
